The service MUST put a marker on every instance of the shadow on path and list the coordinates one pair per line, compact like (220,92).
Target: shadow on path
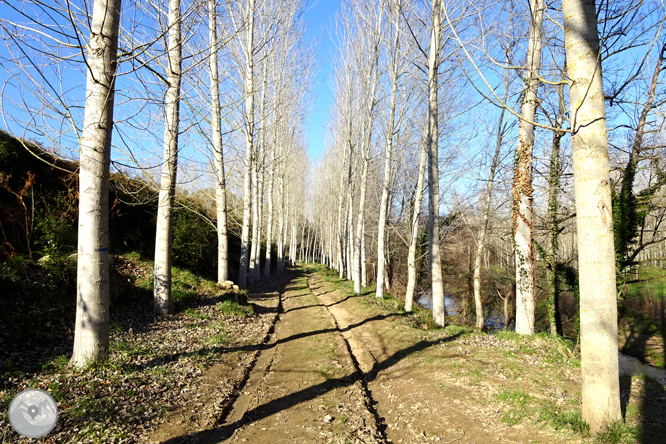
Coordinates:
(224,432)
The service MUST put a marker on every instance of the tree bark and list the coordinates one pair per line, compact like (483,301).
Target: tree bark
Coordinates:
(257,181)
(269,223)
(162,302)
(280,240)
(388,159)
(522,182)
(248,86)
(339,235)
(411,257)
(594,219)
(253,269)
(220,182)
(432,140)
(91,333)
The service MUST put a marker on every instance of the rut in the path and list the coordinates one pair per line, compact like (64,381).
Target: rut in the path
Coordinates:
(305,386)
(348,340)
(342,368)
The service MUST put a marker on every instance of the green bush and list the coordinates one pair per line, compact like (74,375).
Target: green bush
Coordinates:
(56,223)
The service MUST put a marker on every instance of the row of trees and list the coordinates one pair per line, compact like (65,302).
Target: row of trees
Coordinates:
(170,64)
(417,85)
(409,83)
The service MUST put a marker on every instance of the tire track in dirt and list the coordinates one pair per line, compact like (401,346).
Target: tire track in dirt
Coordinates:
(215,400)
(304,386)
(366,351)
(355,352)
(423,384)
(258,362)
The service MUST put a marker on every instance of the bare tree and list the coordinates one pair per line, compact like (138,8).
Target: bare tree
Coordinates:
(594,217)
(485,215)
(91,333)
(220,181)
(432,136)
(388,156)
(162,302)
(415,216)
(522,183)
(248,88)
(369,71)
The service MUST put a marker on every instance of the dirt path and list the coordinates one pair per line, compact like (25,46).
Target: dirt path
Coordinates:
(341,369)
(304,386)
(417,398)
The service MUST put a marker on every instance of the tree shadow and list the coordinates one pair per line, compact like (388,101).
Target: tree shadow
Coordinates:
(662,320)
(625,393)
(652,428)
(160,360)
(636,343)
(221,433)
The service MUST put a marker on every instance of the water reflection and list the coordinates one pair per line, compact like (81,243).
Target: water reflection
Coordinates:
(494,318)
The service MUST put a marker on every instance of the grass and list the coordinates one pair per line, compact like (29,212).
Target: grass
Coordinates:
(103,402)
(521,405)
(232,308)
(550,349)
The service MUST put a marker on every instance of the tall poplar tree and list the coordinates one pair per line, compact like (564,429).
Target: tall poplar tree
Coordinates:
(522,182)
(220,182)
(388,155)
(594,217)
(91,333)
(432,140)
(162,302)
(248,92)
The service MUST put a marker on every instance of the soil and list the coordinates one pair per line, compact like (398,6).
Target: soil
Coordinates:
(339,368)
(309,361)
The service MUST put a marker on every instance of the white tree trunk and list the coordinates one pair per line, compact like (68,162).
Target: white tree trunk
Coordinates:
(294,242)
(358,238)
(411,257)
(249,145)
(342,218)
(364,271)
(269,223)
(257,182)
(254,265)
(432,136)
(220,181)
(357,273)
(162,302)
(280,240)
(348,238)
(594,218)
(388,160)
(91,333)
(522,182)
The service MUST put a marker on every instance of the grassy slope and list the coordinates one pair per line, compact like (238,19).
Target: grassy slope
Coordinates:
(151,360)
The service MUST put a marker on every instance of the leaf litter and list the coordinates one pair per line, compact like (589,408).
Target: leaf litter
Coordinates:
(156,367)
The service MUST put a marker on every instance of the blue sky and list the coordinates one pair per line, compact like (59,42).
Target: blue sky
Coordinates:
(320,16)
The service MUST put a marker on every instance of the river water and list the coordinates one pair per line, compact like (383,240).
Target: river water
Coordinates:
(494,318)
